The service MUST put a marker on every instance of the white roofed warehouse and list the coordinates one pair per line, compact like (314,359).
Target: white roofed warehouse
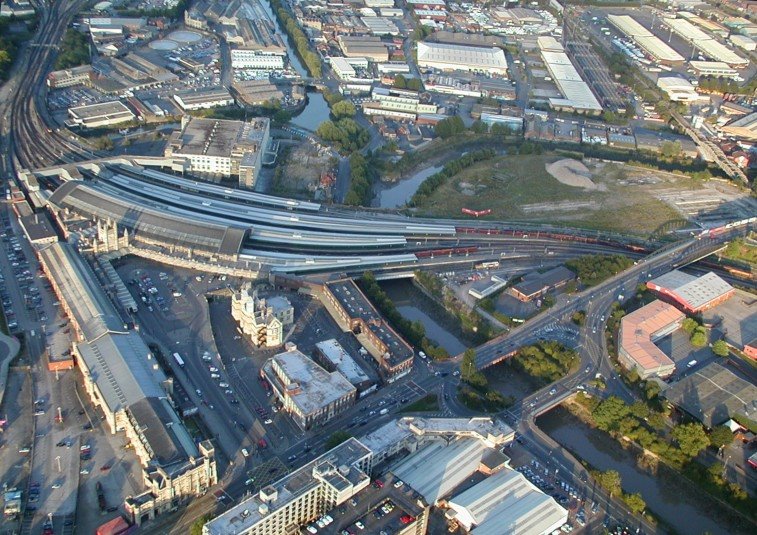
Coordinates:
(651,44)
(506,503)
(447,57)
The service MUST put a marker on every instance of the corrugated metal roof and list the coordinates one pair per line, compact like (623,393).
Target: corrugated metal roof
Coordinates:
(508,504)
(644,38)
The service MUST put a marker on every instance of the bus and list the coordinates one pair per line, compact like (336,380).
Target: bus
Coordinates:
(179,360)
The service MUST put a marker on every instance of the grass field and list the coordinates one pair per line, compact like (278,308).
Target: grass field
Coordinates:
(741,251)
(519,188)
(428,403)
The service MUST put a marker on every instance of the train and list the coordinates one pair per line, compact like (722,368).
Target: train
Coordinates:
(452,251)
(539,234)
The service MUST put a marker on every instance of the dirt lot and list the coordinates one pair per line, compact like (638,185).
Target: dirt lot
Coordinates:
(521,188)
(301,171)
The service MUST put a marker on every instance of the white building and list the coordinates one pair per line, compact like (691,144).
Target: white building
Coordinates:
(102,114)
(397,104)
(256,59)
(576,93)
(650,43)
(506,503)
(445,56)
(379,3)
(263,320)
(705,43)
(380,25)
(342,68)
(332,355)
(222,147)
(680,89)
(714,68)
(743,42)
(203,100)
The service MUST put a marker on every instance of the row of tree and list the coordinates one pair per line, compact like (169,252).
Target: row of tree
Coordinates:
(593,269)
(611,482)
(480,396)
(362,177)
(413,331)
(450,169)
(301,44)
(346,135)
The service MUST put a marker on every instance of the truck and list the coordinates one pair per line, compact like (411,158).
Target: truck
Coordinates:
(179,360)
(384,411)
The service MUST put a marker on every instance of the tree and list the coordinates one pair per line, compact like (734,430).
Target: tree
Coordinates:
(670,149)
(609,413)
(635,503)
(336,438)
(610,481)
(400,82)
(699,338)
(468,366)
(720,348)
(652,390)
(691,438)
(343,109)
(449,127)
(689,325)
(721,436)
(196,528)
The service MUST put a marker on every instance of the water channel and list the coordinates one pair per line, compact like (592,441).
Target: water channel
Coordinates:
(668,496)
(415,306)
(400,192)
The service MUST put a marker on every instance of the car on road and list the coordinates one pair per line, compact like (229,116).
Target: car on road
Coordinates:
(267,421)
(245,452)
(292,458)
(84,471)
(223,385)
(105,468)
(215,376)
(398,484)
(553,392)
(212,369)
(56,485)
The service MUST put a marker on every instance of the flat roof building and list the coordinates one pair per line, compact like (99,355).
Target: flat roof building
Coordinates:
(81,75)
(102,114)
(487,286)
(743,127)
(713,395)
(506,503)
(380,25)
(535,285)
(679,89)
(333,357)
(445,57)
(638,332)
(242,58)
(713,68)
(693,294)
(705,43)
(310,394)
(300,497)
(222,147)
(651,44)
(363,46)
(342,68)
(576,93)
(203,100)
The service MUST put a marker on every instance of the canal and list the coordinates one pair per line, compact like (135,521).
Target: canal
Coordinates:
(669,496)
(399,193)
(415,306)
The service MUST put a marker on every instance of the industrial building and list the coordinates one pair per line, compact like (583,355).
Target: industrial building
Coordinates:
(713,395)
(98,115)
(447,57)
(692,294)
(310,394)
(263,320)
(485,287)
(706,44)
(638,332)
(679,89)
(576,94)
(125,381)
(397,104)
(742,128)
(380,26)
(203,100)
(648,42)
(713,68)
(81,75)
(744,42)
(363,46)
(242,58)
(333,357)
(222,147)
(342,68)
(535,285)
(255,93)
(354,312)
(506,503)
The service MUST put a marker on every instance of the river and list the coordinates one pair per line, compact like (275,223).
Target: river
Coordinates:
(667,495)
(399,193)
(415,306)
(294,60)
